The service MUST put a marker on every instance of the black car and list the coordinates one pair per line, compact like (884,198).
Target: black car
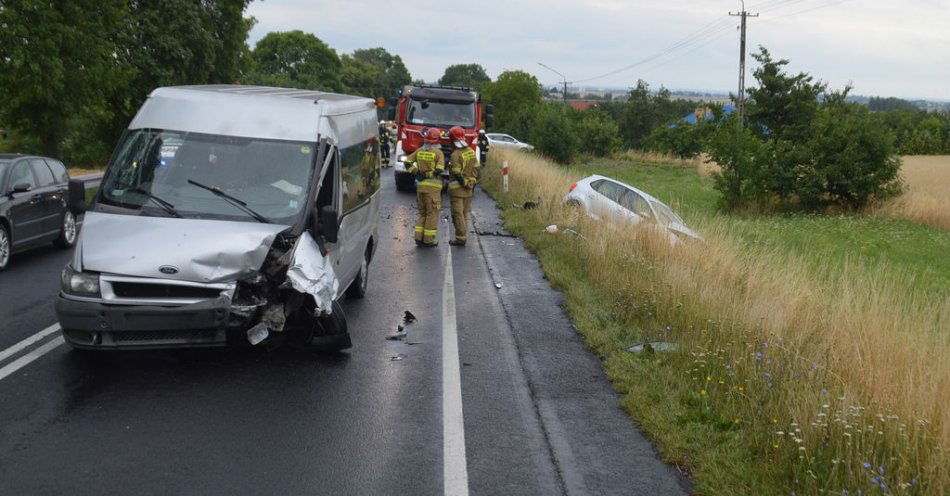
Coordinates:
(33,194)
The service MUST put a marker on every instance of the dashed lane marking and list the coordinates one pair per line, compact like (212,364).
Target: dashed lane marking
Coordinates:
(25,360)
(26,343)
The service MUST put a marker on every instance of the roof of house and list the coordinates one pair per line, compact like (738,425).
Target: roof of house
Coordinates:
(583,104)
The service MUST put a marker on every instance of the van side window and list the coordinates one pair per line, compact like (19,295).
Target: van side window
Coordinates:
(359,165)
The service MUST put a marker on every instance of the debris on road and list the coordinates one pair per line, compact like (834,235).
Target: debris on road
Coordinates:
(498,285)
(397,357)
(399,335)
(652,347)
(409,317)
(552,229)
(257,333)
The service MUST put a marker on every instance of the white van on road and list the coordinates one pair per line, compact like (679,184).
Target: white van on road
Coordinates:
(228,214)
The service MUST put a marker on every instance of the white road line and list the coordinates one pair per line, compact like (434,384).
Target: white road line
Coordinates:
(25,360)
(455,467)
(27,342)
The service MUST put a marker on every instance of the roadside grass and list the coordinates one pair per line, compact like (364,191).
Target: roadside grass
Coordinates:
(927,196)
(803,366)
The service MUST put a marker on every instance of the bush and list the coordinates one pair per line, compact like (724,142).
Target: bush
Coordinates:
(682,140)
(599,135)
(553,133)
(852,160)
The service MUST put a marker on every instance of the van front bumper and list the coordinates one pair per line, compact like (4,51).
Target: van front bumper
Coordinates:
(93,325)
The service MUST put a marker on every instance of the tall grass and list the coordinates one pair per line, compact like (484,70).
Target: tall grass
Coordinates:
(832,384)
(927,196)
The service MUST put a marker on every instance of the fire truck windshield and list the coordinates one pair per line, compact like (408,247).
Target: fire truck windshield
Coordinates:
(441,113)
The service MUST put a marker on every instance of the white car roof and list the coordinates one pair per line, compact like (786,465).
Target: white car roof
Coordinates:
(642,193)
(259,112)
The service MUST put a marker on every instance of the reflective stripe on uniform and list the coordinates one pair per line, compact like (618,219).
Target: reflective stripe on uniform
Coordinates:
(431,182)
(455,185)
(419,228)
(432,232)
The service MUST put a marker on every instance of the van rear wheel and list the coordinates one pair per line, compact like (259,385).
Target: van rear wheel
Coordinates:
(357,289)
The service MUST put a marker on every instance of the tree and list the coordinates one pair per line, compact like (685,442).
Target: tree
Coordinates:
(465,75)
(782,106)
(174,42)
(295,59)
(56,62)
(512,94)
(553,133)
(391,73)
(359,77)
(597,133)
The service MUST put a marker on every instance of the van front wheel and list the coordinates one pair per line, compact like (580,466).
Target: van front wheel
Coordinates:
(327,333)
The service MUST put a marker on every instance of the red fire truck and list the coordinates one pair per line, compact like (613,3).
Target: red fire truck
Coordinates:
(422,107)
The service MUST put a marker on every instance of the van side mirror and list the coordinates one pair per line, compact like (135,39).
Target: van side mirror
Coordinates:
(489,109)
(328,224)
(76,198)
(393,102)
(489,121)
(21,188)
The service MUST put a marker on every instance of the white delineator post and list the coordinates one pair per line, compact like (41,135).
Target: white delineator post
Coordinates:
(504,176)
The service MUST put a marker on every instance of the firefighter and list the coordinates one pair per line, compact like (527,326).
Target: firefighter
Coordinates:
(483,146)
(427,163)
(463,176)
(384,141)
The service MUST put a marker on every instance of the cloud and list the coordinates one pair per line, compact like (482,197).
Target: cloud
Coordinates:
(884,47)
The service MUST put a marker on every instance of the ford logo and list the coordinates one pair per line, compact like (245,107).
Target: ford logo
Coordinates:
(168,269)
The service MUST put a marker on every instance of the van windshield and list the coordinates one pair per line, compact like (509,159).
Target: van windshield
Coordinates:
(151,167)
(441,113)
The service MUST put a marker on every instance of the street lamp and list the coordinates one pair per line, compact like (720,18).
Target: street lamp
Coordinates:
(562,77)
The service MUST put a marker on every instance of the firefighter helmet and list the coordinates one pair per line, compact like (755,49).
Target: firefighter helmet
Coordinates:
(432,135)
(457,133)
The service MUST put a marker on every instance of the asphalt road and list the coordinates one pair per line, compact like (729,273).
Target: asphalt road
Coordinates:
(535,414)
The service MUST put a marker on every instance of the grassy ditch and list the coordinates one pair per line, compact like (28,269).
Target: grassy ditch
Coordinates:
(804,365)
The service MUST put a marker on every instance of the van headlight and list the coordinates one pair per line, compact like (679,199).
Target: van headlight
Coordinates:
(79,283)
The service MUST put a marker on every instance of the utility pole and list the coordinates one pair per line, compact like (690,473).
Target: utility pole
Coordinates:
(740,103)
(562,77)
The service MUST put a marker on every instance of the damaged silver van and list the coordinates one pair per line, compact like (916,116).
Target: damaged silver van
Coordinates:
(228,214)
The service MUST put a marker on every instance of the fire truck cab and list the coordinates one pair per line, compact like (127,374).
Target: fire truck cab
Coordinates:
(422,107)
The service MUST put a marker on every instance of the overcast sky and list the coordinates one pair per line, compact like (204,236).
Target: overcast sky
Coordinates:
(884,47)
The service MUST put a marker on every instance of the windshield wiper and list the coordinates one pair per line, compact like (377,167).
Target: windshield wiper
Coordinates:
(168,207)
(232,200)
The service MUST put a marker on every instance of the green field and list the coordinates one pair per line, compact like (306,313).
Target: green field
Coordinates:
(917,252)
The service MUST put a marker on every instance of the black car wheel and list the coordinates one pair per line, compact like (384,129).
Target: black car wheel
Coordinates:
(67,231)
(5,247)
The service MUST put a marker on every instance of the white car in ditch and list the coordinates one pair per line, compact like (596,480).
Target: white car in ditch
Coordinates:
(605,198)
(507,141)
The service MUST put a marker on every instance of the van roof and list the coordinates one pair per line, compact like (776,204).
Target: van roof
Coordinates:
(247,111)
